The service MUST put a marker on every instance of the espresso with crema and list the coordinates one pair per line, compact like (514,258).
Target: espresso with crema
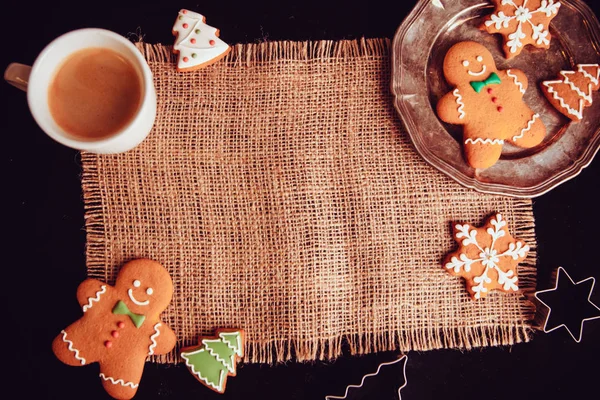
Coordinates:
(94,94)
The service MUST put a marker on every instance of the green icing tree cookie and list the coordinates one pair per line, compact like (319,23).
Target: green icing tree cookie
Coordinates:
(215,358)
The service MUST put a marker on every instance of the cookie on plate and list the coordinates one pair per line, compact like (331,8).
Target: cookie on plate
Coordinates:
(489,104)
(522,23)
(572,91)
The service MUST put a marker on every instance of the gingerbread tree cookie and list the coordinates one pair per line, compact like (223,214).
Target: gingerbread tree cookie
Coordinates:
(197,44)
(120,326)
(489,104)
(572,92)
(487,257)
(522,23)
(215,358)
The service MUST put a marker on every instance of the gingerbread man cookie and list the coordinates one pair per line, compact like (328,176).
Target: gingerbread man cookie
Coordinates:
(489,103)
(120,326)
(522,23)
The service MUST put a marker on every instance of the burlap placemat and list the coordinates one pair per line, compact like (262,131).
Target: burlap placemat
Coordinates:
(281,192)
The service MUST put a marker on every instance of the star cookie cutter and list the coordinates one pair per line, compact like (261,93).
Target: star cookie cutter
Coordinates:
(572,286)
(403,359)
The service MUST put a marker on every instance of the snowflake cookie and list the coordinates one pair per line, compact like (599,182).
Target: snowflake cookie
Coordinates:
(487,257)
(522,22)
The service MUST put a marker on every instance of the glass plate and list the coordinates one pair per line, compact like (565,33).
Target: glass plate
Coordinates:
(418,51)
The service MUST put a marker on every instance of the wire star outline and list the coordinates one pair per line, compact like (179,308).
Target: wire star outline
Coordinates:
(561,271)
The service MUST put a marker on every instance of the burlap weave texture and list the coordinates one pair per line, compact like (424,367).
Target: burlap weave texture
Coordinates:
(281,192)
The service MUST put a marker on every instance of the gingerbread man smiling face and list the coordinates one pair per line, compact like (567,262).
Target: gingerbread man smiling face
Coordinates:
(120,326)
(466,62)
(146,288)
(489,103)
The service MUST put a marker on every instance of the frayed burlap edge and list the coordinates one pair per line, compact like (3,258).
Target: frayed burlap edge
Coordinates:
(255,53)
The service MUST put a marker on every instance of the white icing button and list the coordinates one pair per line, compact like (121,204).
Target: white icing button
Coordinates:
(137,283)
(149,291)
(479,58)
(466,63)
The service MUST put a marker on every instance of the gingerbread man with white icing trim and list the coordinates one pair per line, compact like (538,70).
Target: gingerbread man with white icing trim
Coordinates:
(120,326)
(489,103)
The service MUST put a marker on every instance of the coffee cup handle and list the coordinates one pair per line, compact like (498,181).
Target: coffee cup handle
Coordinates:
(18,75)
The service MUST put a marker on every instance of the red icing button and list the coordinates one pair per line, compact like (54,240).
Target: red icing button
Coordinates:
(185,59)
(115,334)
(490,90)
(211,42)
(121,324)
(500,109)
(185,26)
(193,40)
(494,99)
(184,11)
(108,344)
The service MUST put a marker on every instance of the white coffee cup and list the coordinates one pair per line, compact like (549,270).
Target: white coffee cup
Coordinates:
(36,81)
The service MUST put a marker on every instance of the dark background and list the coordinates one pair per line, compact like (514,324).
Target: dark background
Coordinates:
(43,242)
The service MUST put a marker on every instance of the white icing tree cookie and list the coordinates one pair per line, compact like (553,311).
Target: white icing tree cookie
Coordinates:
(197,44)
(572,92)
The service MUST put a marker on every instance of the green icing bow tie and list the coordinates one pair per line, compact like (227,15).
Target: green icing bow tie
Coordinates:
(493,79)
(122,309)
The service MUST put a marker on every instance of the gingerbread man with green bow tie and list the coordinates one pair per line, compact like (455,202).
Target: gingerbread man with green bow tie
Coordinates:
(120,326)
(489,104)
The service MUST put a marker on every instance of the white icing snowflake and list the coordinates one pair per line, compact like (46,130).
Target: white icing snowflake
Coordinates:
(500,20)
(549,7)
(516,21)
(540,35)
(522,14)
(515,39)
(479,261)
